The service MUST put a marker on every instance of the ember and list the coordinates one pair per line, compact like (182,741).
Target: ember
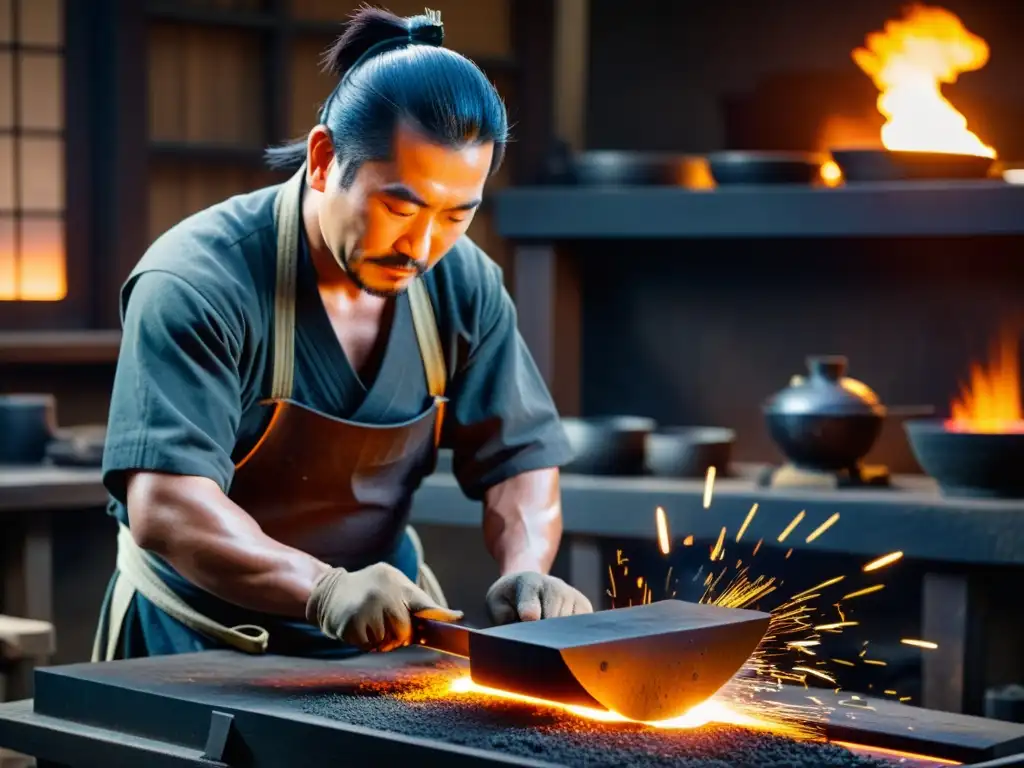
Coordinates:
(908,62)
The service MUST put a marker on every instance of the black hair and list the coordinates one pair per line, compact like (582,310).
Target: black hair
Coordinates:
(392,70)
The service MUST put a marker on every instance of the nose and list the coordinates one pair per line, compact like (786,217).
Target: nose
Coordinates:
(415,243)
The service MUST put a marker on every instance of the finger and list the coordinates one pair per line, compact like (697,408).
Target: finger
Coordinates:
(528,599)
(376,630)
(399,625)
(581,604)
(354,634)
(502,609)
(419,603)
(553,602)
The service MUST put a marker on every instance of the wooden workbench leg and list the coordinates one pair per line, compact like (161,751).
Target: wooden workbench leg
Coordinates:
(952,676)
(587,568)
(28,590)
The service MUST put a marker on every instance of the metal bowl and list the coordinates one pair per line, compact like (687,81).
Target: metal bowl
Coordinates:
(740,167)
(687,452)
(969,464)
(608,445)
(885,165)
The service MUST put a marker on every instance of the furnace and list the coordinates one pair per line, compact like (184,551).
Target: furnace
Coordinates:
(222,708)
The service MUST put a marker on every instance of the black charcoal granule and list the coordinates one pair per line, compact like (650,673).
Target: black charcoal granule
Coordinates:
(427,709)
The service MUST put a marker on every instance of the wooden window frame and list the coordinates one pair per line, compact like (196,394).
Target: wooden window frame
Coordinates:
(108,149)
(73,311)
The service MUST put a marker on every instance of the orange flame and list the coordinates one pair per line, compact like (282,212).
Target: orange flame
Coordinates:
(908,63)
(990,402)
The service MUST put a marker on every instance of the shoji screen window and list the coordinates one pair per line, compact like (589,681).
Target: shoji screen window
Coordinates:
(33,265)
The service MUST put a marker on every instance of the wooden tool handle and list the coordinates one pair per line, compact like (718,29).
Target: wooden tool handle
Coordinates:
(441,636)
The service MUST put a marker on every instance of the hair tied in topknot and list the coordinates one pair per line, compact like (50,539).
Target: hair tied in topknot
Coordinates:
(430,33)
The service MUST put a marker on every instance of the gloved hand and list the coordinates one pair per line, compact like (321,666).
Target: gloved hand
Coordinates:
(529,596)
(371,608)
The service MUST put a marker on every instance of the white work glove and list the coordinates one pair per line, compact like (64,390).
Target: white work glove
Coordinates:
(529,596)
(372,608)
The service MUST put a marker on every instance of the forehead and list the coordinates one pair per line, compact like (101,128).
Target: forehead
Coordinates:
(432,169)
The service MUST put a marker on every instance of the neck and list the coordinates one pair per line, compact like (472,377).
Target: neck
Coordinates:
(330,275)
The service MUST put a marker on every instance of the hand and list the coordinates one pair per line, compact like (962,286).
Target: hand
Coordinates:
(529,596)
(371,608)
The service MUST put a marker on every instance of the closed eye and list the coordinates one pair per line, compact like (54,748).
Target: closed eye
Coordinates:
(394,212)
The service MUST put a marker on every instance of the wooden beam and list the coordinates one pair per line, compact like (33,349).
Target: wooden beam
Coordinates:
(572,55)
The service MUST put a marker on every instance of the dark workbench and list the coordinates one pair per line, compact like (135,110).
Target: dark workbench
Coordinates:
(915,519)
(226,708)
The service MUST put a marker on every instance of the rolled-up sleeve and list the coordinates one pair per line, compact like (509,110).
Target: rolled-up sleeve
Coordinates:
(501,420)
(176,400)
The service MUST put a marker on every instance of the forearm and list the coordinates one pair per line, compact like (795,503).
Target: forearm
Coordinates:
(523,521)
(217,546)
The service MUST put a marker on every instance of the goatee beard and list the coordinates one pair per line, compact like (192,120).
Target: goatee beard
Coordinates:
(397,260)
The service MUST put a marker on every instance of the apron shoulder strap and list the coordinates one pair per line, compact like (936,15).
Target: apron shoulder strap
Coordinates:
(425,322)
(287,219)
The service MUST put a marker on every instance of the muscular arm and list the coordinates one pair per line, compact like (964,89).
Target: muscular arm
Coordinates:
(216,545)
(523,521)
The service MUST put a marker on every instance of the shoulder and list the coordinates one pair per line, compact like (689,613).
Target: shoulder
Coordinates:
(223,254)
(470,285)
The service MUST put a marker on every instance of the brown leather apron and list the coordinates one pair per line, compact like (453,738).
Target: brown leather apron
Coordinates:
(337,489)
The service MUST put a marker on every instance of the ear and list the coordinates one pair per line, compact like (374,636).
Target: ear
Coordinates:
(319,155)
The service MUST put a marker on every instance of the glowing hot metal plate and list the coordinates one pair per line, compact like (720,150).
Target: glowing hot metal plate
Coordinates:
(649,662)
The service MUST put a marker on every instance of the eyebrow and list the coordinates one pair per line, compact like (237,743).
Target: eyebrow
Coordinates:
(402,192)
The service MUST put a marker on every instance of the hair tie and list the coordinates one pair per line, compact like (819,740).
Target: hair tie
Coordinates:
(429,34)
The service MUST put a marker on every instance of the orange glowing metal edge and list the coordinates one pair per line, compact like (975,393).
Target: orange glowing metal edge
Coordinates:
(893,753)
(710,711)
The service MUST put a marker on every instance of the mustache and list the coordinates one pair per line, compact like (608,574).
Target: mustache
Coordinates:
(398,261)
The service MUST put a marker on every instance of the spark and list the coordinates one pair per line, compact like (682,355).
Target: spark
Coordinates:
(611,577)
(640,582)
(792,524)
(662,524)
(746,522)
(875,662)
(904,698)
(709,487)
(828,583)
(865,591)
(718,545)
(668,578)
(883,561)
(927,644)
(815,672)
(756,547)
(837,625)
(889,693)
(688,541)
(822,528)
(804,643)
(844,662)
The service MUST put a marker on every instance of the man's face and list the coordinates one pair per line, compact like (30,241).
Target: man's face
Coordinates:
(399,217)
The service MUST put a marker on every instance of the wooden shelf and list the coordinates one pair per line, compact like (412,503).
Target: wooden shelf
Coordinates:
(59,347)
(908,209)
(208,153)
